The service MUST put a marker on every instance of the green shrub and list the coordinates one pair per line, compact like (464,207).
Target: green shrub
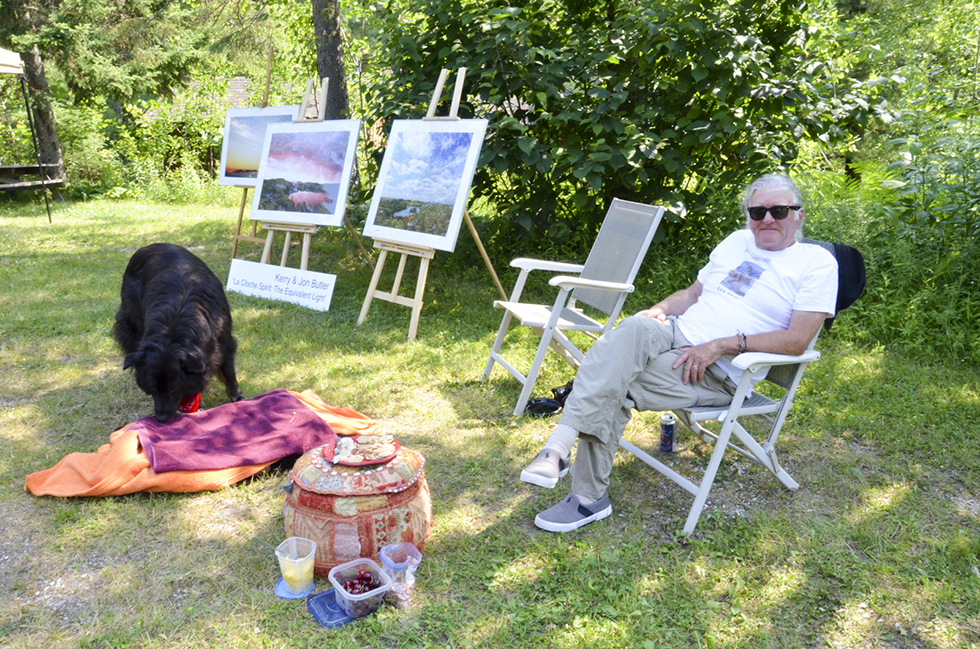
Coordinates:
(16,145)
(668,103)
(916,222)
(92,165)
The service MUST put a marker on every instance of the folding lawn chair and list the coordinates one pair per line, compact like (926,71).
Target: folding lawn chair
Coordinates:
(784,372)
(603,283)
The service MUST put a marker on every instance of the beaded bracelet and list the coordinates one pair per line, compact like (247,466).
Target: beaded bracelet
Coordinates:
(742,346)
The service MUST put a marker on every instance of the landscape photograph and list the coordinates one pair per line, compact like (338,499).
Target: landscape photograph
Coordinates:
(492,463)
(244,135)
(305,171)
(425,178)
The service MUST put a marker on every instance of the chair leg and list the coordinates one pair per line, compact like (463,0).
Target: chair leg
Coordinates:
(532,374)
(709,476)
(766,456)
(497,344)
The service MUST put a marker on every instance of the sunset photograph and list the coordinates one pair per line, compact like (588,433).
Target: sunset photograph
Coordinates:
(244,135)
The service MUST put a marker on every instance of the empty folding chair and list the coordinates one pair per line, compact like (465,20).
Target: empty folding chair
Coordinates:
(602,283)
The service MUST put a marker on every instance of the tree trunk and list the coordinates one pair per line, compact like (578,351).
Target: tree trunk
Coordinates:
(330,56)
(37,91)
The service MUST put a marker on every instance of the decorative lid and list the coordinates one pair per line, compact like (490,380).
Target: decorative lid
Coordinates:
(313,472)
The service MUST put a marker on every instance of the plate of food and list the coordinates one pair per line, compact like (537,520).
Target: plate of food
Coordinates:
(362,450)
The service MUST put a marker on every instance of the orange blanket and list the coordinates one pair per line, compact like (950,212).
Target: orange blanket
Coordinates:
(120,467)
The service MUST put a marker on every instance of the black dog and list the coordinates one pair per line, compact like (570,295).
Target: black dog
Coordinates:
(174,325)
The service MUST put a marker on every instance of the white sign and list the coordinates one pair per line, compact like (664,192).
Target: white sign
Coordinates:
(303,287)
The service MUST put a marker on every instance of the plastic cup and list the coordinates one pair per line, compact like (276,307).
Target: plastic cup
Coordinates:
(296,563)
(400,561)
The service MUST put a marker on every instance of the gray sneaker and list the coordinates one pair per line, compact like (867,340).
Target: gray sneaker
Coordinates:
(545,469)
(570,514)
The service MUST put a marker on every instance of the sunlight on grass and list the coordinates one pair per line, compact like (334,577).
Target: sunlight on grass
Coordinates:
(16,413)
(469,516)
(862,619)
(945,632)
(221,519)
(877,501)
(856,619)
(783,583)
(880,538)
(480,631)
(525,570)
(592,631)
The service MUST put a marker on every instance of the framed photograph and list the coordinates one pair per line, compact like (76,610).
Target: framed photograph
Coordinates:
(241,148)
(305,172)
(424,182)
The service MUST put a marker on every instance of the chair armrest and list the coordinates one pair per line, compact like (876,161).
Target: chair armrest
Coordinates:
(528,265)
(754,361)
(569,283)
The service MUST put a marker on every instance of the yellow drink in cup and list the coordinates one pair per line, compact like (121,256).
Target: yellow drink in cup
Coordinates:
(296,563)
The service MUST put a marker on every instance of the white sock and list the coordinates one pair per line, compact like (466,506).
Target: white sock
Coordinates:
(562,439)
(585,500)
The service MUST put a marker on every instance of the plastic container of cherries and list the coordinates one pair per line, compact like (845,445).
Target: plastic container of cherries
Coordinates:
(360,586)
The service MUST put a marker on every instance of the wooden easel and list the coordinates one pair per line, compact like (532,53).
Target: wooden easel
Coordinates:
(405,250)
(289,228)
(425,254)
(307,230)
(253,238)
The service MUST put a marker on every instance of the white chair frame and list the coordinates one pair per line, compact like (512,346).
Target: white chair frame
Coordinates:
(550,321)
(788,371)
(783,371)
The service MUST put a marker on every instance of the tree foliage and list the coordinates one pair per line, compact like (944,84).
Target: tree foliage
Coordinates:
(932,46)
(670,102)
(118,49)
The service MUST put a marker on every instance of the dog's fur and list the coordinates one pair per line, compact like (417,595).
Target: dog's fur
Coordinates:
(174,325)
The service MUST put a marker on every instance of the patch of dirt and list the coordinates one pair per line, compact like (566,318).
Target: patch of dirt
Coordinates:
(30,584)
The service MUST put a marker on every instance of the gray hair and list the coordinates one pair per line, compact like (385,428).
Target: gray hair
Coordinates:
(772,181)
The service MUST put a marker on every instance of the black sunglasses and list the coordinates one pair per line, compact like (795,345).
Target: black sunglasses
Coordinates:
(779,212)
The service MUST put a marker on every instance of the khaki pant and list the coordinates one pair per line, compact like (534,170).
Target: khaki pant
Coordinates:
(630,365)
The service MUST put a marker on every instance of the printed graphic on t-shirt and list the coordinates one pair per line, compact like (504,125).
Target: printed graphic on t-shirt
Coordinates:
(741,279)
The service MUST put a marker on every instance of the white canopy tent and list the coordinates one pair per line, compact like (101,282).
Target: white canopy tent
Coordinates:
(10,62)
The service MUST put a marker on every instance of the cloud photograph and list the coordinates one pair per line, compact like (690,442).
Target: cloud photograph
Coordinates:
(427,167)
(422,179)
(305,170)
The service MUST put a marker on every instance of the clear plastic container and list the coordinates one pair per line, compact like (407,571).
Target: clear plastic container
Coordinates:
(400,561)
(364,603)
(296,563)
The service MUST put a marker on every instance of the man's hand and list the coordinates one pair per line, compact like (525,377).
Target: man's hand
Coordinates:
(696,361)
(675,304)
(803,326)
(655,312)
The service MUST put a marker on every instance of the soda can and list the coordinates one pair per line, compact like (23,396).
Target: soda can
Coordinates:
(667,424)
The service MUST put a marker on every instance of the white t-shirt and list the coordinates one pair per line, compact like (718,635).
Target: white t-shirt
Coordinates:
(755,291)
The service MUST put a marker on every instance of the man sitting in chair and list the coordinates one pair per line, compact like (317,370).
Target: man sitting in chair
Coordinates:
(762,290)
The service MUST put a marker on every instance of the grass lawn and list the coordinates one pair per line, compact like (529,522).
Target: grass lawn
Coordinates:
(878,548)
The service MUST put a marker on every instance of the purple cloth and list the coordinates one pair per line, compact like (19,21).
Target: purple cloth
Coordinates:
(254,431)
